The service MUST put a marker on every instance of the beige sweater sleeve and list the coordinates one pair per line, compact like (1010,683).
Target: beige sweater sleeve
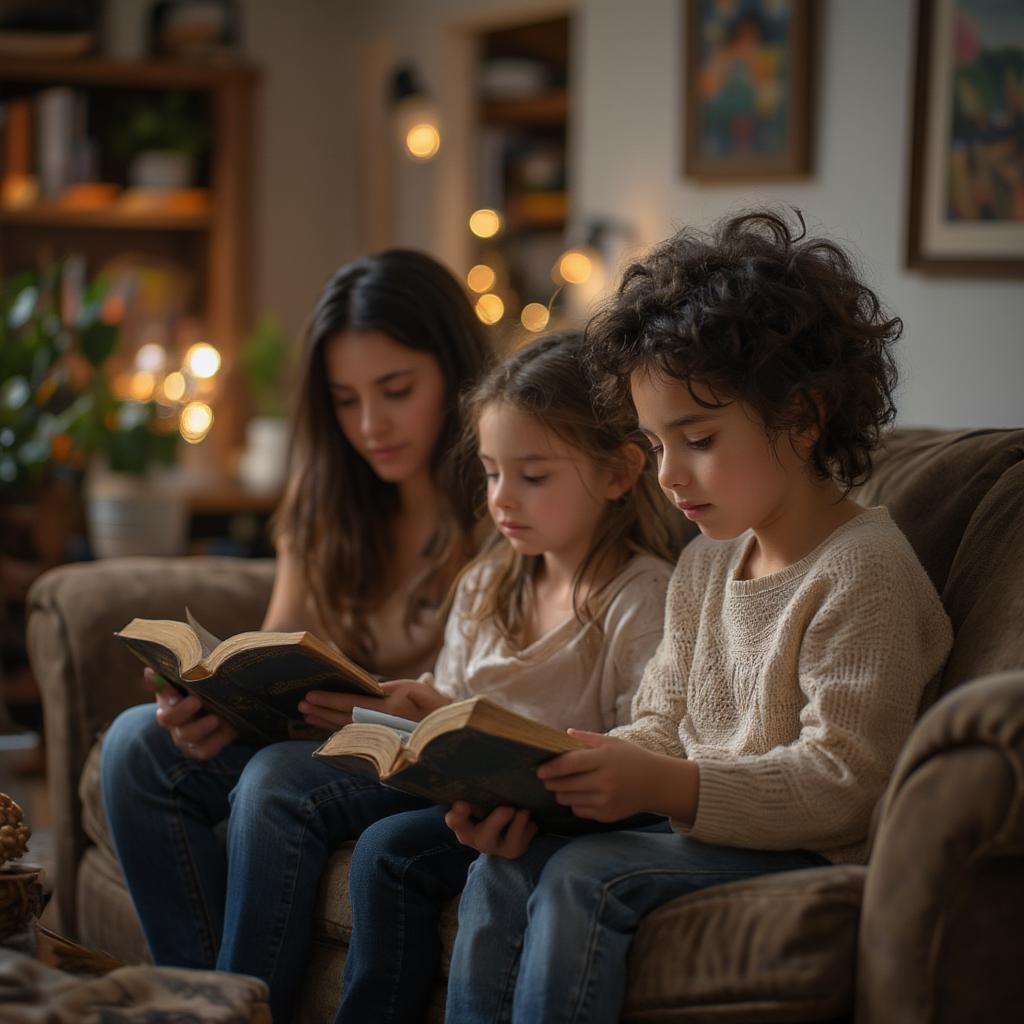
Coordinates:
(876,638)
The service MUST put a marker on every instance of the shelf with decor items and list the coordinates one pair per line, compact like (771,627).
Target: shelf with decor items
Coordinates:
(72,192)
(523,111)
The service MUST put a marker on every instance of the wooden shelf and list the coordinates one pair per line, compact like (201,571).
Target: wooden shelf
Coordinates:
(537,211)
(550,108)
(55,215)
(99,71)
(230,498)
(212,240)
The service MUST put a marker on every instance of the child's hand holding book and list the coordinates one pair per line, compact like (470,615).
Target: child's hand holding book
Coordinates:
(404,698)
(505,832)
(615,779)
(612,780)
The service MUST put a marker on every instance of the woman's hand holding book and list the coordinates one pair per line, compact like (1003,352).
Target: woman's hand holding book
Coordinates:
(197,733)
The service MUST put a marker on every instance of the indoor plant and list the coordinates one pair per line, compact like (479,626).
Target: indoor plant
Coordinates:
(264,362)
(60,418)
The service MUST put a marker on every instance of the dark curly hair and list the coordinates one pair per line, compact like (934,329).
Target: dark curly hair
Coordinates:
(757,312)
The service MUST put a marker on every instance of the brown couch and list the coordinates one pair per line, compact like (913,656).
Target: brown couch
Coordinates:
(930,931)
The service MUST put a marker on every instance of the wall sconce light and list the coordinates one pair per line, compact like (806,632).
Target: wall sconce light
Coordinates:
(583,269)
(415,116)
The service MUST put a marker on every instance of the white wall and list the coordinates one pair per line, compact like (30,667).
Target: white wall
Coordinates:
(963,346)
(963,349)
(306,195)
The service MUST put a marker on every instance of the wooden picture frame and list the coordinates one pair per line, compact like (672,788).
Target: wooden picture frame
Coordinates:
(966,190)
(748,88)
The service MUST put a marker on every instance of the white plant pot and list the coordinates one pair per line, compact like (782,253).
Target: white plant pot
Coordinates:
(162,169)
(265,460)
(135,515)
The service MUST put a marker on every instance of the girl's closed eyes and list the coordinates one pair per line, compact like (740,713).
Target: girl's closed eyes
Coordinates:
(701,444)
(348,403)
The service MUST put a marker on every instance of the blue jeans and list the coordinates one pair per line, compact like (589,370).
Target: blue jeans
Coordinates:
(247,905)
(545,937)
(404,869)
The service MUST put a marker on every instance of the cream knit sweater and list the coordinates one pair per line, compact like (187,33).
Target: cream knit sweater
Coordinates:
(793,692)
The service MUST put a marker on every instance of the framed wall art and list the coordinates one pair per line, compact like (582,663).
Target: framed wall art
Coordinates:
(748,75)
(966,196)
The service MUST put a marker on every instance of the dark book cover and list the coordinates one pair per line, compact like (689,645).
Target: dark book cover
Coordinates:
(256,690)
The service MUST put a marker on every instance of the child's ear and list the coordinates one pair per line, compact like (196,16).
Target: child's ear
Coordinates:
(625,470)
(814,412)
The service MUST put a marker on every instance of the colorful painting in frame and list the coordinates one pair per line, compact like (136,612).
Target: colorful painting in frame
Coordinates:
(967,162)
(748,88)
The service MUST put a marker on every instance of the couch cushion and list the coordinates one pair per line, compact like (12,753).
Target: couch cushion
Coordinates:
(932,481)
(777,948)
(90,792)
(106,919)
(984,593)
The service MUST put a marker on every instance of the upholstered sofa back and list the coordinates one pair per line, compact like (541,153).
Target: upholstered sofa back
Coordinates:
(959,498)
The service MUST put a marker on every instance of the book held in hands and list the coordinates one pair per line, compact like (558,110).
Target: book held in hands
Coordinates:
(252,680)
(472,750)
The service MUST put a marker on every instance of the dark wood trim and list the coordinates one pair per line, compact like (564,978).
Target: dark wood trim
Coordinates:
(135,74)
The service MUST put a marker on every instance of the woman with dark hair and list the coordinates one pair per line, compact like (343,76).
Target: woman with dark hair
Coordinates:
(377,520)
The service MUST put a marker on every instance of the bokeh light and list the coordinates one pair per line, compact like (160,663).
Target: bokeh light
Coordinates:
(575,267)
(196,420)
(481,278)
(423,141)
(202,360)
(535,316)
(490,308)
(484,223)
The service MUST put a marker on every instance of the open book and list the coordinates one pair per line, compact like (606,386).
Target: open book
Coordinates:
(472,750)
(252,680)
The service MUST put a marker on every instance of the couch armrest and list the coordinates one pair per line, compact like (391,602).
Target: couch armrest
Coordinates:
(944,899)
(86,677)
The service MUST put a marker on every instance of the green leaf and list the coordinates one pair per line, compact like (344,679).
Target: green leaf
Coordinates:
(23,307)
(99,340)
(14,393)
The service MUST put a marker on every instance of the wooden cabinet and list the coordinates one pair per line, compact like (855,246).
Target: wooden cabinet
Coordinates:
(213,238)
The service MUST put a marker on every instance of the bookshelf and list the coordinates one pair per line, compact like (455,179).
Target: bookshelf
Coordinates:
(523,112)
(212,238)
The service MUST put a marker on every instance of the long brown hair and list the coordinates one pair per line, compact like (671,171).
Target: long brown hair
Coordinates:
(337,515)
(546,380)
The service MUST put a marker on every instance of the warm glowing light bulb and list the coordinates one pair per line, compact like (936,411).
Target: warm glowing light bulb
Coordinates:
(484,223)
(202,360)
(174,386)
(490,308)
(423,141)
(151,358)
(575,267)
(196,420)
(535,316)
(141,386)
(481,278)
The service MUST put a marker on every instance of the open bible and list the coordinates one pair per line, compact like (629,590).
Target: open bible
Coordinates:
(472,750)
(252,680)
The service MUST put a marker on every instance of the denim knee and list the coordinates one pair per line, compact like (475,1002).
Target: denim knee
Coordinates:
(133,742)
(268,786)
